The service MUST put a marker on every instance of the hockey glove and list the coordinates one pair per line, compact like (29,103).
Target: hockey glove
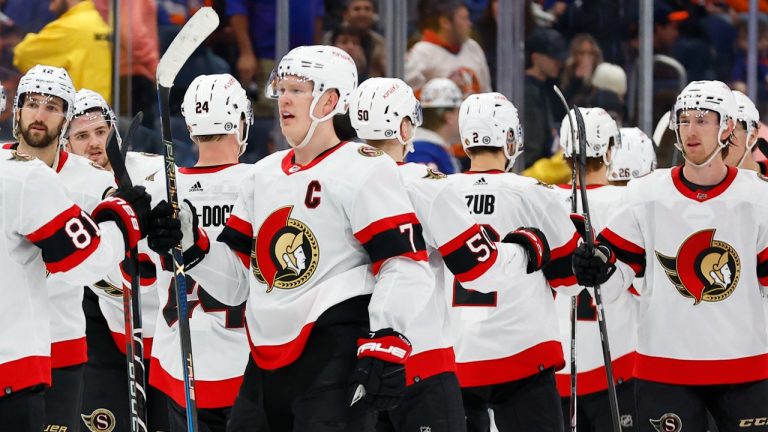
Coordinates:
(194,242)
(129,208)
(164,231)
(593,268)
(535,244)
(379,376)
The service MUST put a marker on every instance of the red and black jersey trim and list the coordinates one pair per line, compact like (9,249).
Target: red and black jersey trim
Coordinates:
(559,271)
(10,146)
(147,271)
(462,262)
(238,235)
(624,250)
(62,251)
(390,237)
(762,267)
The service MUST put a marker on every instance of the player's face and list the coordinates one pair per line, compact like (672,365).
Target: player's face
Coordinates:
(88,138)
(294,99)
(41,119)
(698,131)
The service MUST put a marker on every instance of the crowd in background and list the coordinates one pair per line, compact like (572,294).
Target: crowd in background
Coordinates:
(588,47)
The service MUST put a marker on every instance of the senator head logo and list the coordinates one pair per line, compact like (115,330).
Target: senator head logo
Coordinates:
(285,251)
(704,269)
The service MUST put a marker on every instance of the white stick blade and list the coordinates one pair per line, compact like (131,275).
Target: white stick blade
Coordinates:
(194,32)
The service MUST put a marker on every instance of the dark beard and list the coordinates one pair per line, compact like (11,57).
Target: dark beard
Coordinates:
(41,142)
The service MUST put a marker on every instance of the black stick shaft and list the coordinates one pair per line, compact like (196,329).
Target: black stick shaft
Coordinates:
(180,282)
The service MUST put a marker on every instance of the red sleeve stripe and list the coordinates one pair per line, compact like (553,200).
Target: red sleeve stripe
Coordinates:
(54,225)
(566,249)
(74,259)
(763,281)
(459,241)
(244,258)
(633,291)
(621,242)
(393,222)
(240,226)
(762,256)
(563,282)
(416,256)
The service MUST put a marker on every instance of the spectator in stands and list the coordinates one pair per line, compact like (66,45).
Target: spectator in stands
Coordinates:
(77,40)
(138,30)
(543,110)
(360,16)
(253,23)
(440,101)
(350,40)
(576,79)
(446,50)
(739,73)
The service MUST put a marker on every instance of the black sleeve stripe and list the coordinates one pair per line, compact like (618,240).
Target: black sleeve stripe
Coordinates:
(633,259)
(762,269)
(59,246)
(391,243)
(236,240)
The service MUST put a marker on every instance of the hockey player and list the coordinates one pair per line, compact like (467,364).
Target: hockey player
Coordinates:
(218,116)
(453,239)
(43,109)
(324,244)
(747,120)
(44,231)
(105,392)
(702,341)
(508,348)
(634,157)
(593,411)
(440,99)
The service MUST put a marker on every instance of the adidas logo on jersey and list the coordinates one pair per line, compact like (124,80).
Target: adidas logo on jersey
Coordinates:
(481,182)
(197,187)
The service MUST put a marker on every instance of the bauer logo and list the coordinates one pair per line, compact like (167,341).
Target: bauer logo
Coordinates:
(704,269)
(669,422)
(285,251)
(100,420)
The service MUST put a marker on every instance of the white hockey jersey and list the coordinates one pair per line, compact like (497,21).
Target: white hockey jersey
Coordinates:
(145,169)
(312,237)
(704,255)
(43,229)
(219,342)
(86,183)
(621,315)
(512,333)
(453,239)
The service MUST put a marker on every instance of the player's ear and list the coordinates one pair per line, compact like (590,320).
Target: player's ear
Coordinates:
(406,129)
(331,99)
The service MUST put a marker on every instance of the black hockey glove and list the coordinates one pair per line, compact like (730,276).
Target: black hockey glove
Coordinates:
(379,376)
(593,268)
(164,232)
(129,208)
(535,244)
(194,242)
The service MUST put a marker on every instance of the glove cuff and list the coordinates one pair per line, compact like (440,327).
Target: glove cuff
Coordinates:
(386,344)
(195,253)
(531,241)
(121,212)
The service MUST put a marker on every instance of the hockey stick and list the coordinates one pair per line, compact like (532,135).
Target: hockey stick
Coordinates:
(135,123)
(199,26)
(589,238)
(574,299)
(134,332)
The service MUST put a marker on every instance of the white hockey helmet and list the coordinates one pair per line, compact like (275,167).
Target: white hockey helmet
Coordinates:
(49,81)
(378,107)
(3,99)
(441,93)
(214,105)
(634,157)
(746,112)
(707,96)
(600,129)
(88,100)
(490,120)
(328,67)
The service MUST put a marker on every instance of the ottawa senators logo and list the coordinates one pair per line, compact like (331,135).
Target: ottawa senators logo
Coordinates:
(369,151)
(20,157)
(100,420)
(704,268)
(433,174)
(669,422)
(285,252)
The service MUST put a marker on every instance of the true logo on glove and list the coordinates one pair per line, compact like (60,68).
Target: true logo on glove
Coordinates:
(377,348)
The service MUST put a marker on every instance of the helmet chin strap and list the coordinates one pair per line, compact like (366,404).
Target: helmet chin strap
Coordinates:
(315,122)
(747,150)
(712,155)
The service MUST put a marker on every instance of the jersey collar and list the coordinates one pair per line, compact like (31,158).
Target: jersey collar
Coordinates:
(205,169)
(291,167)
(589,187)
(492,171)
(699,194)
(63,156)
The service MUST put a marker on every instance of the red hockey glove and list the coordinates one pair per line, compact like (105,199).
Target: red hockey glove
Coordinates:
(129,208)
(593,268)
(535,244)
(379,376)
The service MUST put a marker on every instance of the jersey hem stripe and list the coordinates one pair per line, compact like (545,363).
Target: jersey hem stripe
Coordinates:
(518,366)
(701,372)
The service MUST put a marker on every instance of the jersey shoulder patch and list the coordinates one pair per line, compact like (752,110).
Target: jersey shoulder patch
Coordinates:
(20,157)
(546,185)
(762,177)
(368,151)
(97,166)
(434,174)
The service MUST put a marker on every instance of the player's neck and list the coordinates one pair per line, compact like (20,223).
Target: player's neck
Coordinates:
(488,162)
(597,177)
(323,139)
(217,153)
(46,154)
(749,163)
(708,175)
